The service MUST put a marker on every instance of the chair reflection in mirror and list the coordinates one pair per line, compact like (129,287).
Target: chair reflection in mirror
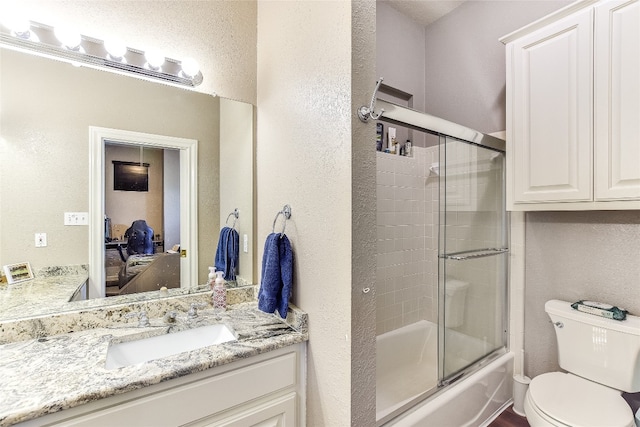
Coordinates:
(142,269)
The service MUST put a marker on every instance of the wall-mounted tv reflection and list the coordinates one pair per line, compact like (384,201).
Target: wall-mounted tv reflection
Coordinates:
(130,176)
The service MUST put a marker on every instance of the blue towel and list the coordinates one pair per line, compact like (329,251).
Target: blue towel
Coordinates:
(277,275)
(227,253)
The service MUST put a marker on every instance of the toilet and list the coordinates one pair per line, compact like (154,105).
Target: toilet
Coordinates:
(601,357)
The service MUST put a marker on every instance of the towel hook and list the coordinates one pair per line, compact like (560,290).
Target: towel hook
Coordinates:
(286,213)
(365,112)
(236,215)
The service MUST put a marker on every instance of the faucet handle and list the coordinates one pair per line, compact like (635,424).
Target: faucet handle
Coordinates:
(170,317)
(193,311)
(143,320)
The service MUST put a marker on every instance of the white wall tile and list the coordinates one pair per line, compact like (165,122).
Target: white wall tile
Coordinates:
(407,270)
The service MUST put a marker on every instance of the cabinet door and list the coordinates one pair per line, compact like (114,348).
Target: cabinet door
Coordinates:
(201,398)
(552,112)
(617,100)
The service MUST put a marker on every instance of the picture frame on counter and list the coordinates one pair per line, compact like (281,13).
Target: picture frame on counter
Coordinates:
(19,272)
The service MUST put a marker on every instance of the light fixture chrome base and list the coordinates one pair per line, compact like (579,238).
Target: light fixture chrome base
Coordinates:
(41,40)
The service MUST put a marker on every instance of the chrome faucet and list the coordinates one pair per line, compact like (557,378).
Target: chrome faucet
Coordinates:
(143,320)
(170,317)
(193,311)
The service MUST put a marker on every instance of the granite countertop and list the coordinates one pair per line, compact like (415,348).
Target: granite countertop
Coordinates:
(47,293)
(48,374)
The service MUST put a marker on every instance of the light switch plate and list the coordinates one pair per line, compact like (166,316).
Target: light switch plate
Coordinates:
(76,218)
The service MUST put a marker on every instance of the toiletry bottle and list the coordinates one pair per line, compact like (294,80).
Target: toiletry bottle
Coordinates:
(379,135)
(407,148)
(219,293)
(212,277)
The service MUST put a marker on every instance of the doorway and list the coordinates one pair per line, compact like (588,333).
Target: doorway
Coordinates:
(187,149)
(142,187)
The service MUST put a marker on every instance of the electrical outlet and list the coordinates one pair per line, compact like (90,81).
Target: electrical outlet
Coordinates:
(41,240)
(245,243)
(76,218)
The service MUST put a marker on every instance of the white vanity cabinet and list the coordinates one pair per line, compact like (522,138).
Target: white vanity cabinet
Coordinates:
(573,109)
(265,390)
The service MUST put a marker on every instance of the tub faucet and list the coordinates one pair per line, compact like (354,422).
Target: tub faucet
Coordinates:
(143,320)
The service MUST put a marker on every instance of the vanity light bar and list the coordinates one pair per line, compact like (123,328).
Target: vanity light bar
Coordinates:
(41,39)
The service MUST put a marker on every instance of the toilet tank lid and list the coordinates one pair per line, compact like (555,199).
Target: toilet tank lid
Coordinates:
(563,309)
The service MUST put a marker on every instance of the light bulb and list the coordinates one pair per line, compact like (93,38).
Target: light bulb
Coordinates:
(190,67)
(69,38)
(115,47)
(19,25)
(154,58)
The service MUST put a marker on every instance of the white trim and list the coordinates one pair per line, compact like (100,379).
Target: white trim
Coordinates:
(188,200)
(614,205)
(546,20)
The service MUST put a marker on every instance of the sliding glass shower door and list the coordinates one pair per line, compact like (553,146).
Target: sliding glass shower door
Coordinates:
(472,256)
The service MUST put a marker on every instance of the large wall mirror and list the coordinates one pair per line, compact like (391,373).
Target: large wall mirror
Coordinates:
(47,109)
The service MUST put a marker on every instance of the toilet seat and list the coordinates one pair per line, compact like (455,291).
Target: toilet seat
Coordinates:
(568,400)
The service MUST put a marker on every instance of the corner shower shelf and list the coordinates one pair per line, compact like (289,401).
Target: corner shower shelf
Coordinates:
(475,253)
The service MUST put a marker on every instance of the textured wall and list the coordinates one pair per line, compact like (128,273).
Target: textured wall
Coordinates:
(572,256)
(363,219)
(304,158)
(465,62)
(402,69)
(220,35)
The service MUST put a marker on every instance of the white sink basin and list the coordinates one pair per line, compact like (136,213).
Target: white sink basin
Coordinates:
(144,350)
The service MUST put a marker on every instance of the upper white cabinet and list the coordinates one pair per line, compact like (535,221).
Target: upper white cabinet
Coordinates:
(617,100)
(573,109)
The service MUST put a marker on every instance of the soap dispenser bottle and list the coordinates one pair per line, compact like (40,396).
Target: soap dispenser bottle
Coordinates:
(211,277)
(219,293)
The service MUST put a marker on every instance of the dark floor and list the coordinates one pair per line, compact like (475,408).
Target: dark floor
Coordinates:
(509,419)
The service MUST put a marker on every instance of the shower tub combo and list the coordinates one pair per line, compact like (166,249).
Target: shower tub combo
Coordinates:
(452,367)
(403,376)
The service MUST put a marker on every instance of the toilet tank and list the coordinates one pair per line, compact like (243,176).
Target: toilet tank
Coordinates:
(602,350)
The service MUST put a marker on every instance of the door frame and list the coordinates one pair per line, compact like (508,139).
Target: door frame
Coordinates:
(98,136)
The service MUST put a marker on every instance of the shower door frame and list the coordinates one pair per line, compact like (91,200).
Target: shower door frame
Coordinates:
(423,122)
(444,379)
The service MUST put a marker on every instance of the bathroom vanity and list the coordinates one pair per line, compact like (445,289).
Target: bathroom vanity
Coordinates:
(64,379)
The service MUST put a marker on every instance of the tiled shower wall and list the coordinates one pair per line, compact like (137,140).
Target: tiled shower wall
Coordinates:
(407,222)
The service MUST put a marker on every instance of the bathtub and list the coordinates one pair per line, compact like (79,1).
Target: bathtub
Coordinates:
(406,368)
